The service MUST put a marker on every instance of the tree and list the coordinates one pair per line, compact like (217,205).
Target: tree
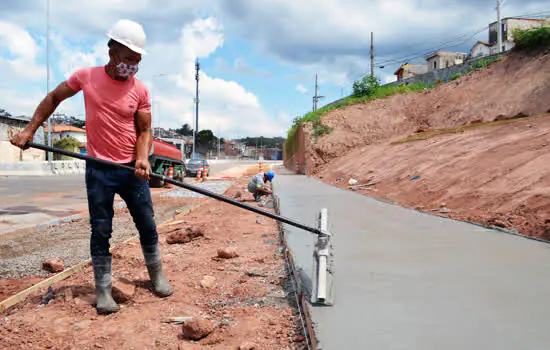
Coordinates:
(78,123)
(185,130)
(206,139)
(67,143)
(4,113)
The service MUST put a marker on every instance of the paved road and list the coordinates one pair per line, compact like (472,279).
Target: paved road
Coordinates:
(407,280)
(32,200)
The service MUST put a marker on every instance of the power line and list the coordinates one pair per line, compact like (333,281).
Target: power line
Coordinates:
(424,52)
(441,43)
(545,13)
(452,42)
(440,46)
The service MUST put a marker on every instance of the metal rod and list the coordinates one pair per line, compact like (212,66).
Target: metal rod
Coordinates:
(180,184)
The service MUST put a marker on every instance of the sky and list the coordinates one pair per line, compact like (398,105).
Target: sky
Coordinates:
(258,58)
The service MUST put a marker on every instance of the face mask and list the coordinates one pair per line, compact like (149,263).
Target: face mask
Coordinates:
(127,71)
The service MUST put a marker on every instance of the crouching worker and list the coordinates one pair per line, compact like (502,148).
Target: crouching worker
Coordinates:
(257,185)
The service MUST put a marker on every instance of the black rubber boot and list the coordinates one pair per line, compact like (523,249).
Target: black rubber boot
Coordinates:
(102,265)
(161,287)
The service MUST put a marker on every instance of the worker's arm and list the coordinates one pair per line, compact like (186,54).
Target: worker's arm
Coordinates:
(264,189)
(143,144)
(44,110)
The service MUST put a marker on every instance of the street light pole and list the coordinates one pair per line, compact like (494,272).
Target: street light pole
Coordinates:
(153,104)
(196,131)
(499,32)
(48,76)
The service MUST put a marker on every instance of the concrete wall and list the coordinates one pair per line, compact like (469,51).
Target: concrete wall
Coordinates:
(63,167)
(442,74)
(513,24)
(10,153)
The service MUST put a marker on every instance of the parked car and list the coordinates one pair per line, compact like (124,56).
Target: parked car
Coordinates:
(193,166)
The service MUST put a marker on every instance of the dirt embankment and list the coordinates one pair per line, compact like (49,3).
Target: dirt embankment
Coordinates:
(498,175)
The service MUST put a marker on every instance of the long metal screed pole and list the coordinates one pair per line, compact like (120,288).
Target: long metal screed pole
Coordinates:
(183,185)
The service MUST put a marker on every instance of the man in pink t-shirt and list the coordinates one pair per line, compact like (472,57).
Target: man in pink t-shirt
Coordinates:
(118,129)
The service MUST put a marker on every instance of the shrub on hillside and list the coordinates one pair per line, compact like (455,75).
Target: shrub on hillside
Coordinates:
(366,86)
(531,39)
(455,77)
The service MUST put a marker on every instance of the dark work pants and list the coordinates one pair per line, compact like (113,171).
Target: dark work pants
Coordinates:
(102,183)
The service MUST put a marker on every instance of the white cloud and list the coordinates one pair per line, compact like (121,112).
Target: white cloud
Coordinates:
(20,104)
(73,56)
(241,67)
(301,88)
(23,51)
(224,104)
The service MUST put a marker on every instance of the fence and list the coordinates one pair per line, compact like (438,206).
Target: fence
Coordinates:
(444,74)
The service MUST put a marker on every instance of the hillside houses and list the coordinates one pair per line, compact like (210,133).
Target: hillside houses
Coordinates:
(440,59)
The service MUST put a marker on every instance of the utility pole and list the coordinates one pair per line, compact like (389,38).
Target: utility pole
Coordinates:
(219,138)
(316,98)
(499,28)
(196,132)
(372,54)
(48,76)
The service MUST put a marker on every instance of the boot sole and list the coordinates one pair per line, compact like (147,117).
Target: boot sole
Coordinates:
(107,311)
(162,295)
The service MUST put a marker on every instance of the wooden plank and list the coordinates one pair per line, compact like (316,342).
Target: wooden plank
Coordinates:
(19,297)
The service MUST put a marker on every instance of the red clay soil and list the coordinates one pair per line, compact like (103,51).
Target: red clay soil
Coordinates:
(244,302)
(496,175)
(12,286)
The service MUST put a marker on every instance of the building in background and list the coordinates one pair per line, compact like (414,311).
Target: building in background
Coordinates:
(63,131)
(9,126)
(509,25)
(445,59)
(480,49)
(410,70)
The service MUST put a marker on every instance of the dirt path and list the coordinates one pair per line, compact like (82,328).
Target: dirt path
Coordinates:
(246,298)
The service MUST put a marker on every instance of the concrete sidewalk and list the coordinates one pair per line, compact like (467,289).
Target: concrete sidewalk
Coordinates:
(407,280)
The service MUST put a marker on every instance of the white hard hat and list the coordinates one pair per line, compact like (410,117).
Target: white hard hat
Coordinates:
(129,34)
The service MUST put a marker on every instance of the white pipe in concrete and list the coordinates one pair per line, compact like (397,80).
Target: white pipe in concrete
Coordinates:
(323,256)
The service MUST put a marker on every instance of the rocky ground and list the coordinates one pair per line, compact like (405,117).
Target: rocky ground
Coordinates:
(229,278)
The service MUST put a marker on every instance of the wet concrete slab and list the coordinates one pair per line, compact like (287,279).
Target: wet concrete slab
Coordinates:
(408,280)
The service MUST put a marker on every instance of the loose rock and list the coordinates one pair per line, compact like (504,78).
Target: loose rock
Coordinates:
(299,338)
(186,236)
(208,281)
(227,253)
(53,265)
(197,329)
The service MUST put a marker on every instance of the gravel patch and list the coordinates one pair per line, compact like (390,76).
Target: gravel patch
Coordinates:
(218,187)
(23,255)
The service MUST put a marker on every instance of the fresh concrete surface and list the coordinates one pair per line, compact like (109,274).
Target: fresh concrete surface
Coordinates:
(408,280)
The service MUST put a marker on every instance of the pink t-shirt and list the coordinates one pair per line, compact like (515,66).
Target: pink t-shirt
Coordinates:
(111,106)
